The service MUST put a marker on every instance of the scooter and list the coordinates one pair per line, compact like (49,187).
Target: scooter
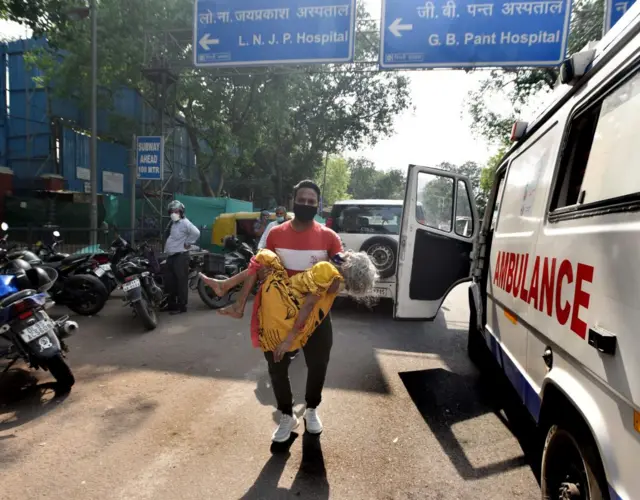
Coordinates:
(27,331)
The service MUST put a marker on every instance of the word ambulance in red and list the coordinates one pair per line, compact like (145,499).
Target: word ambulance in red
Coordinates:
(543,290)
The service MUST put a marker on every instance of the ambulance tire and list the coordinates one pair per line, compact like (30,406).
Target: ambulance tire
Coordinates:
(570,459)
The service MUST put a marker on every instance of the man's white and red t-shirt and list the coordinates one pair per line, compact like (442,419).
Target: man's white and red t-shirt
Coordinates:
(299,251)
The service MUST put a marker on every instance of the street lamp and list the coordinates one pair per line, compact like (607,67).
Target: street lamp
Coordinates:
(76,14)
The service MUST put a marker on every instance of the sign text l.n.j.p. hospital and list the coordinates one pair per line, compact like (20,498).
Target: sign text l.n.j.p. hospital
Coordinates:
(259,32)
(467,33)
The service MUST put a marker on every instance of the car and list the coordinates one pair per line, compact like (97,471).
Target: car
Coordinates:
(371,226)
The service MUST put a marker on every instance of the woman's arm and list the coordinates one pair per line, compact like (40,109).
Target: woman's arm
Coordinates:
(309,302)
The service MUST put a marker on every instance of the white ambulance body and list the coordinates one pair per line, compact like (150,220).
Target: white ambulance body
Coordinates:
(555,291)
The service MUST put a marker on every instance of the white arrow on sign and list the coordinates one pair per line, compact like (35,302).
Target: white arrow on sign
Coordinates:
(205,41)
(397,28)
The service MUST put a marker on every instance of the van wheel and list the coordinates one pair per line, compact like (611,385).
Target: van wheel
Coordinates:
(383,252)
(571,465)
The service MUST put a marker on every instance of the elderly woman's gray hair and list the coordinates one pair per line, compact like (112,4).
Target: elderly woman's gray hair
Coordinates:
(359,273)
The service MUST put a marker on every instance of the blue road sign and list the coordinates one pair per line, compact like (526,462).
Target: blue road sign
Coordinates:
(263,32)
(615,9)
(150,157)
(470,33)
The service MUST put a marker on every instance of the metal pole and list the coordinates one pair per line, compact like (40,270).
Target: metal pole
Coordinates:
(134,178)
(324,180)
(93,146)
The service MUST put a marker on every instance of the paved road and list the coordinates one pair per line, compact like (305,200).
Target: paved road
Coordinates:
(186,412)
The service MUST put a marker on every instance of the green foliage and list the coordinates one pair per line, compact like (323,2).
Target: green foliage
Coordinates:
(489,172)
(334,186)
(260,133)
(519,85)
(39,15)
(369,183)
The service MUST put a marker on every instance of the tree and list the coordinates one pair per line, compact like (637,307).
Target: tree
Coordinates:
(364,178)
(334,187)
(489,173)
(259,133)
(367,182)
(519,85)
(38,15)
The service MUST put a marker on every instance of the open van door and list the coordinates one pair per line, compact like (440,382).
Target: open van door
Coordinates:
(439,223)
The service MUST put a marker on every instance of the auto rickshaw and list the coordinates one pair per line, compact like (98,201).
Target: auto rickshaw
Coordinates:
(240,224)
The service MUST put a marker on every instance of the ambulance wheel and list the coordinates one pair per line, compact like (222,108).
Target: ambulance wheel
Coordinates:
(571,465)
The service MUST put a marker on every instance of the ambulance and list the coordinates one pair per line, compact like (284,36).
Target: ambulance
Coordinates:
(554,268)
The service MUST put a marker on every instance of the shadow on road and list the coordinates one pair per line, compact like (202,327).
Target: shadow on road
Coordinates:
(23,399)
(446,399)
(310,481)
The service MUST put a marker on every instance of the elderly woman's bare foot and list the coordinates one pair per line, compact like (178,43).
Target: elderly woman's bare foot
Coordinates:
(233,310)
(216,285)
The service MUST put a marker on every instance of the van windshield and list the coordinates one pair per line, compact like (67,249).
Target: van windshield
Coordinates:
(366,219)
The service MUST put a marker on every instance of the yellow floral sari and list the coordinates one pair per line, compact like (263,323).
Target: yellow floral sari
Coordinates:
(283,296)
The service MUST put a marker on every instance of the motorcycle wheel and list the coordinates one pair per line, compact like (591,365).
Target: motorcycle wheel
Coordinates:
(93,296)
(210,298)
(146,313)
(60,370)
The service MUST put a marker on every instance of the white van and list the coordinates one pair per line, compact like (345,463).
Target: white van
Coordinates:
(555,292)
(371,226)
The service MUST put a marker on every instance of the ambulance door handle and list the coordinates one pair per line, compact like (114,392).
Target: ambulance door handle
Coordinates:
(603,340)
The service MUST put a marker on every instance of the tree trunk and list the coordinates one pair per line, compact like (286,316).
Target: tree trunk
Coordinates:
(205,185)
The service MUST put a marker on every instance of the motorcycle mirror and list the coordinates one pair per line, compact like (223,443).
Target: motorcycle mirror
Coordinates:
(56,234)
(4,226)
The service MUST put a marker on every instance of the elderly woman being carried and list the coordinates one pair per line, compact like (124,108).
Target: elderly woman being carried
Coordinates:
(292,307)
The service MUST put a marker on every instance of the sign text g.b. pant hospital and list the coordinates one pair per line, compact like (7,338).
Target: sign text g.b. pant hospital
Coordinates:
(263,32)
(468,33)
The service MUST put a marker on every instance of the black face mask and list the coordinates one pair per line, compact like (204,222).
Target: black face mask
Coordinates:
(304,213)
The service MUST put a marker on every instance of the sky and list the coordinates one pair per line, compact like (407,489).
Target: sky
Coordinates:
(435,130)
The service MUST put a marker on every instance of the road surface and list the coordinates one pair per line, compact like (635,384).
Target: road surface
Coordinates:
(186,412)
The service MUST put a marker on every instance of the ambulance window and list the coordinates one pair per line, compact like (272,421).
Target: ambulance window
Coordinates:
(435,193)
(464,220)
(601,157)
(496,206)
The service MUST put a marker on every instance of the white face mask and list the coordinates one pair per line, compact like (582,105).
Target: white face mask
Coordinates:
(175,217)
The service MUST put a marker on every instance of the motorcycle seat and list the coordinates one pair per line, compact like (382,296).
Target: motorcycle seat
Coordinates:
(16,297)
(72,259)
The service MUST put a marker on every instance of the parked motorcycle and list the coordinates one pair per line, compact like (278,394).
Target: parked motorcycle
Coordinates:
(236,260)
(27,332)
(135,274)
(97,263)
(81,292)
(120,248)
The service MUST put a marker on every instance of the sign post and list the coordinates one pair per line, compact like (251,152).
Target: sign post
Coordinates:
(473,33)
(230,33)
(614,10)
(150,158)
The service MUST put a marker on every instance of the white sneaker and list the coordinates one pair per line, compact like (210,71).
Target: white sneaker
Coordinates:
(287,424)
(312,421)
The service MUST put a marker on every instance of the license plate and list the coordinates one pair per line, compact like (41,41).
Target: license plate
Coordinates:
(106,267)
(98,272)
(380,292)
(34,331)
(131,285)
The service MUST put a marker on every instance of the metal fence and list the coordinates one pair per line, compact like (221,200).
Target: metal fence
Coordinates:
(77,239)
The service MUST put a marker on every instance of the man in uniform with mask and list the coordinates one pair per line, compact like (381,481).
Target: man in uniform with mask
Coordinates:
(181,235)
(281,217)
(300,243)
